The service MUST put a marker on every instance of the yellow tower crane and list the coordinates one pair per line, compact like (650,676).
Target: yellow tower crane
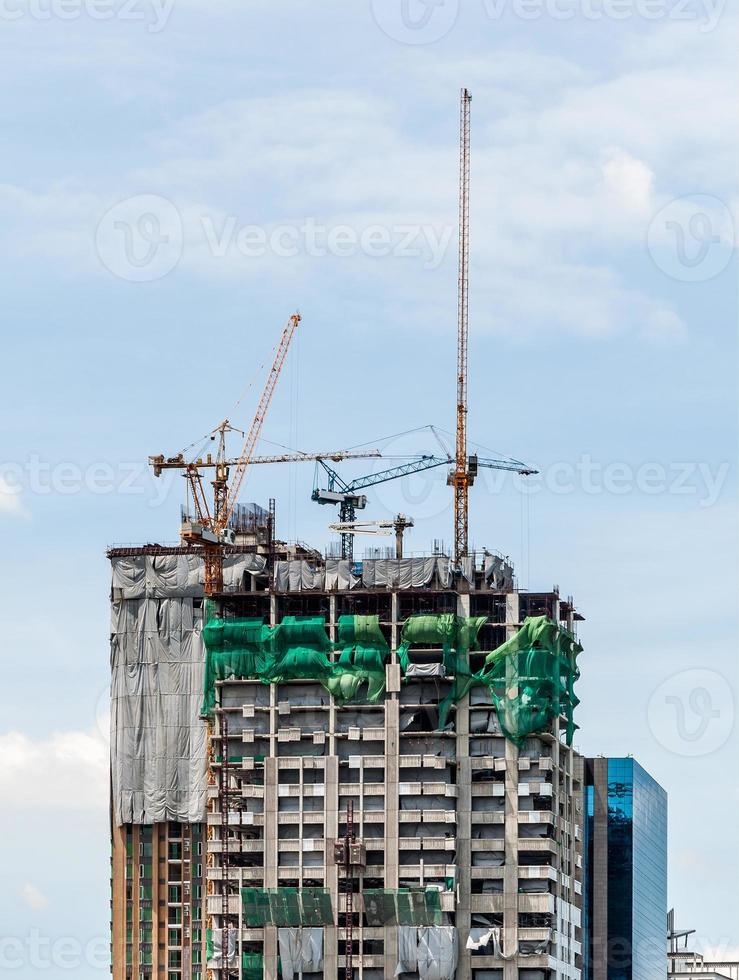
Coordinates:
(463,475)
(210,529)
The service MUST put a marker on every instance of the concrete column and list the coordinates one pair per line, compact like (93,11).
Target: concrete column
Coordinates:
(463,856)
(510,877)
(331,934)
(392,826)
(271,822)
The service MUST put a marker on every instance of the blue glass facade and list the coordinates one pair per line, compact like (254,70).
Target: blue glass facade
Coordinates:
(634,871)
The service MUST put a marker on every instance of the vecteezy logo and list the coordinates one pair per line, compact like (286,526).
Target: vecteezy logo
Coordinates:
(692,238)
(692,713)
(140,239)
(415,21)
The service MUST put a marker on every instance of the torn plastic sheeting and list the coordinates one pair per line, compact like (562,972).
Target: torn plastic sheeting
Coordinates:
(498,573)
(215,948)
(407,950)
(301,951)
(438,952)
(479,938)
(533,947)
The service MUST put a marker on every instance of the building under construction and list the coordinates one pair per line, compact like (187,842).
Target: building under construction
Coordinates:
(324,767)
(389,771)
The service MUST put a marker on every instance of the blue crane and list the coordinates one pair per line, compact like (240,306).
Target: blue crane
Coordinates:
(349,500)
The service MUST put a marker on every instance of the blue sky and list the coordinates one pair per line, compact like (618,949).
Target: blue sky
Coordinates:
(176,182)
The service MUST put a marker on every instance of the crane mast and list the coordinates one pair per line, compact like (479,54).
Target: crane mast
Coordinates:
(462,477)
(225,497)
(255,431)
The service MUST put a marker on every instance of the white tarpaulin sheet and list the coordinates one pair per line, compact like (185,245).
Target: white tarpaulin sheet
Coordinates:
(481,937)
(301,951)
(432,951)
(158,741)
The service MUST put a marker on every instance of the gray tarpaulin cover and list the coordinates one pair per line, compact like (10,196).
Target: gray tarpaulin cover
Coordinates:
(301,950)
(498,573)
(406,573)
(407,950)
(297,576)
(425,670)
(433,951)
(180,576)
(302,576)
(158,746)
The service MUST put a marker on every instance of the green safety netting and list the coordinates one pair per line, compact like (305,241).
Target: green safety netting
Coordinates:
(298,647)
(252,966)
(457,635)
(364,652)
(285,907)
(402,907)
(532,678)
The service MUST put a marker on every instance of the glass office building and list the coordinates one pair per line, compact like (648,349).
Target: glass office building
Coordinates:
(625,872)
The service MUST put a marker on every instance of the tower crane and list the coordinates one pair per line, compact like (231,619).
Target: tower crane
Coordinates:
(349,500)
(462,476)
(399,525)
(210,528)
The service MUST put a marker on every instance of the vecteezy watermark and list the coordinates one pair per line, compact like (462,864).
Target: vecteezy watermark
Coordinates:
(39,952)
(415,21)
(423,492)
(142,239)
(692,238)
(154,14)
(44,478)
(692,713)
(426,21)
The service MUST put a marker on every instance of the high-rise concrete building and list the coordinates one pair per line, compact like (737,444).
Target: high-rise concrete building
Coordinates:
(625,860)
(331,752)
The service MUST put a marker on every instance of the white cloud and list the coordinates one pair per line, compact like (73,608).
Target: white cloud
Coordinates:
(34,898)
(630,181)
(11,503)
(663,328)
(66,771)
(570,164)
